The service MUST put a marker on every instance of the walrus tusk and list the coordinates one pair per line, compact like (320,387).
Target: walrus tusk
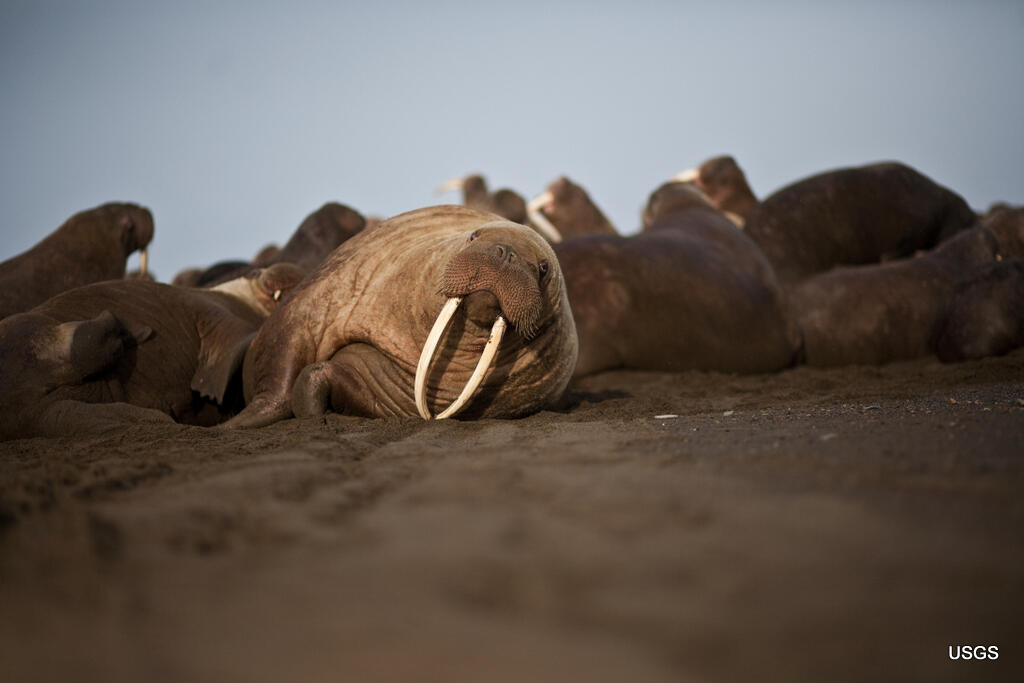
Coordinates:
(450,185)
(690,175)
(540,220)
(143,261)
(427,354)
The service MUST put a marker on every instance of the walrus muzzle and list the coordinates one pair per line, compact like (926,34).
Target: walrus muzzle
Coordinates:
(482,267)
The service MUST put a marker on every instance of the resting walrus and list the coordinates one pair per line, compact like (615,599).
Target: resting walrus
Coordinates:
(350,337)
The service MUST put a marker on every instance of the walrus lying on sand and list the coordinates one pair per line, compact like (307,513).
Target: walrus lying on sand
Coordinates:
(408,318)
(874,314)
(155,346)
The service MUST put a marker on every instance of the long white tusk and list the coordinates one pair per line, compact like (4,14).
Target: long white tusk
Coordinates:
(143,261)
(544,226)
(450,185)
(427,354)
(690,175)
(429,347)
(497,332)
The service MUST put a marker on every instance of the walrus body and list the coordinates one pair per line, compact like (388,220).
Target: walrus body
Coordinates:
(151,345)
(91,246)
(355,328)
(869,315)
(854,216)
(690,292)
(983,315)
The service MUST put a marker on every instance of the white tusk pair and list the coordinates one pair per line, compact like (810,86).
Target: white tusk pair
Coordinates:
(143,261)
(430,348)
(533,210)
(450,185)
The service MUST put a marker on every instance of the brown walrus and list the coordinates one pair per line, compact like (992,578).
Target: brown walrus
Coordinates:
(355,335)
(565,210)
(689,292)
(504,202)
(166,348)
(874,314)
(90,246)
(983,315)
(725,185)
(317,236)
(854,216)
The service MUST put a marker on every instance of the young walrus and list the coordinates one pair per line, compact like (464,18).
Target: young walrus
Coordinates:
(353,337)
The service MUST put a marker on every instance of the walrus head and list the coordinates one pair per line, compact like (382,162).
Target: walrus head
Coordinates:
(498,279)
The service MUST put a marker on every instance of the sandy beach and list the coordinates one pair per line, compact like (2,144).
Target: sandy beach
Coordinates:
(812,525)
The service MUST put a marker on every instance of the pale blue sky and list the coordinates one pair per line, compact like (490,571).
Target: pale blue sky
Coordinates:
(231,121)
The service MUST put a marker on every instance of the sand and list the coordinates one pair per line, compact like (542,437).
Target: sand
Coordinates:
(811,525)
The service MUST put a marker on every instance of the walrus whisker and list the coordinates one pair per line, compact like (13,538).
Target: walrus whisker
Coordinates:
(143,261)
(544,226)
(430,348)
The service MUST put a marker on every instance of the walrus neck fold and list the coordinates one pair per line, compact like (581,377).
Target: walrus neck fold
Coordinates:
(430,348)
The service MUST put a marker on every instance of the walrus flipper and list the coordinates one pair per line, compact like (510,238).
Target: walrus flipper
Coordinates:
(260,413)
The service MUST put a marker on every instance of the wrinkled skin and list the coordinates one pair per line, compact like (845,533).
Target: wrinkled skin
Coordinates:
(874,314)
(983,315)
(691,292)
(91,246)
(573,212)
(155,346)
(350,337)
(316,237)
(854,216)
(723,182)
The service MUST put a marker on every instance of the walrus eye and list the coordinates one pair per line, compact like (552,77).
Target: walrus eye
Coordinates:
(473,235)
(543,268)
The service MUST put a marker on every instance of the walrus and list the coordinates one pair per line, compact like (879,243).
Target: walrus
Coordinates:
(152,345)
(90,246)
(875,314)
(318,235)
(983,315)
(400,318)
(1007,223)
(677,197)
(725,184)
(690,292)
(565,210)
(853,216)
(506,203)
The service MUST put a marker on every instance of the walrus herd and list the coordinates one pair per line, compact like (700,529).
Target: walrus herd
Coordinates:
(491,308)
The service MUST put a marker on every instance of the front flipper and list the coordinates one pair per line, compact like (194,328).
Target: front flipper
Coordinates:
(221,351)
(354,381)
(259,413)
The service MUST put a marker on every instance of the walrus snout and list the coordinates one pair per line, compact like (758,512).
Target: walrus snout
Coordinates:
(498,268)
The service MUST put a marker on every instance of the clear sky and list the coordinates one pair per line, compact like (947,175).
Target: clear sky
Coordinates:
(232,121)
